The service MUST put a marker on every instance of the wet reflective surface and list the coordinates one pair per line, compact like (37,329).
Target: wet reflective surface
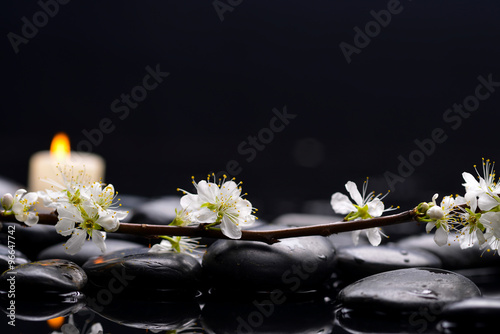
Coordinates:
(238,312)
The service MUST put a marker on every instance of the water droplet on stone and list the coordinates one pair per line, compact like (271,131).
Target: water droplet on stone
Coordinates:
(404,252)
(407,260)
(426,293)
(322,257)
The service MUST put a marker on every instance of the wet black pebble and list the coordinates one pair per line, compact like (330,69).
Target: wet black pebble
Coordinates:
(407,290)
(293,264)
(358,262)
(57,276)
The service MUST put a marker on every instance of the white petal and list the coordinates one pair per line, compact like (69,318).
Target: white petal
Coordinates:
(161,248)
(22,217)
(98,238)
(471,199)
(376,208)
(373,235)
(430,226)
(18,208)
(341,204)
(19,193)
(75,243)
(466,240)
(30,198)
(480,237)
(352,189)
(470,180)
(65,226)
(109,223)
(441,237)
(486,202)
(229,229)
(207,191)
(32,219)
(434,197)
(187,200)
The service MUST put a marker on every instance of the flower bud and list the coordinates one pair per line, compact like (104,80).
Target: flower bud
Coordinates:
(7,201)
(435,213)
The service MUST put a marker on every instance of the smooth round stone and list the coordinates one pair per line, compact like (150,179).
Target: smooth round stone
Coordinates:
(407,290)
(160,211)
(89,249)
(19,258)
(58,276)
(139,269)
(472,313)
(293,264)
(362,261)
(452,256)
(31,240)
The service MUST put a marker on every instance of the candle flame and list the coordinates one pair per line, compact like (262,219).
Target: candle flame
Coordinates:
(60,148)
(56,323)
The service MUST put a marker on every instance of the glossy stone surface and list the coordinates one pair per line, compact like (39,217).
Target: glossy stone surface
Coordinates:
(18,258)
(293,264)
(136,268)
(472,313)
(362,261)
(89,249)
(160,211)
(452,256)
(31,240)
(407,290)
(58,276)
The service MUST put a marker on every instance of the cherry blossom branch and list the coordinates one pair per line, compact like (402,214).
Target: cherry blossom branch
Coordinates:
(266,236)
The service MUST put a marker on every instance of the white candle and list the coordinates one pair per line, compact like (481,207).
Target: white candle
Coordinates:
(43,165)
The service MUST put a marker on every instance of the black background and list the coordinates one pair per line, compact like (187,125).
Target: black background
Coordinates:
(353,120)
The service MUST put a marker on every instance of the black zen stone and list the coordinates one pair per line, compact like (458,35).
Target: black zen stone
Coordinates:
(88,250)
(408,290)
(139,269)
(159,211)
(31,240)
(358,262)
(17,257)
(57,276)
(293,264)
(473,313)
(452,256)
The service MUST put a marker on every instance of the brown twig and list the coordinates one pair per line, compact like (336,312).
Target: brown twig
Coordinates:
(267,236)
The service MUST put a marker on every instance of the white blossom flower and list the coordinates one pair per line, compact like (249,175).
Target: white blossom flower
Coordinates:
(84,208)
(74,191)
(365,206)
(219,203)
(472,230)
(441,217)
(80,223)
(483,193)
(177,244)
(21,207)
